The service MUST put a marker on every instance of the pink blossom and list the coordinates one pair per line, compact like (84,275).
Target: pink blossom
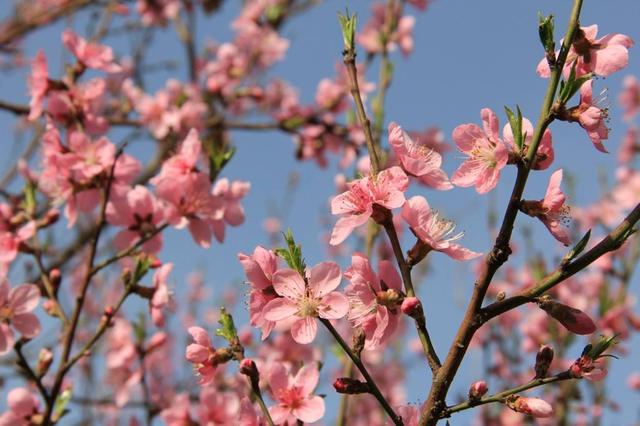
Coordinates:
(91,55)
(590,369)
(305,300)
(230,210)
(402,36)
(486,151)
(162,298)
(177,414)
(634,381)
(417,159)
(602,56)
(535,407)
(294,395)
(551,210)
(357,204)
(478,389)
(200,354)
(219,407)
(433,231)
(629,146)
(545,154)
(10,239)
(16,305)
(38,84)
(373,299)
(591,117)
(630,96)
(83,102)
(22,405)
(140,212)
(433,138)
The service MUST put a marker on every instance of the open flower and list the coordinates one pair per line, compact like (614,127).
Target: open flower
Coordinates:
(418,159)
(91,55)
(356,204)
(551,210)
(591,116)
(602,56)
(201,354)
(16,305)
(23,405)
(294,395)
(307,299)
(486,152)
(434,232)
(373,300)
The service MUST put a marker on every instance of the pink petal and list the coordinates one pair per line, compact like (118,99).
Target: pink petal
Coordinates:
(457,252)
(333,306)
(304,330)
(6,339)
(310,409)
(200,336)
(324,278)
(279,413)
(389,274)
(490,123)
(200,232)
(554,197)
(196,353)
(307,379)
(278,378)
(24,298)
(279,309)
(465,136)
(27,324)
(468,173)
(289,283)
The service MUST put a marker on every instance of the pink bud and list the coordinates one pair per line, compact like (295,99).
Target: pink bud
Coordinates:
(572,319)
(634,381)
(411,306)
(55,276)
(477,390)
(535,407)
(350,386)
(248,367)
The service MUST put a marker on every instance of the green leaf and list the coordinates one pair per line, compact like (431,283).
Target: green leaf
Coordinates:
(60,407)
(348,26)
(228,329)
(292,254)
(596,351)
(515,121)
(545,31)
(577,249)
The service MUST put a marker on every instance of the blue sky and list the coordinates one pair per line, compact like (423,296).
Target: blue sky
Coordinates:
(468,55)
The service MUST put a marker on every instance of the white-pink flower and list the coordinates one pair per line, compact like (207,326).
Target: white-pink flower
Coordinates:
(373,300)
(306,299)
(433,230)
(294,395)
(551,210)
(486,152)
(356,204)
(418,159)
(16,305)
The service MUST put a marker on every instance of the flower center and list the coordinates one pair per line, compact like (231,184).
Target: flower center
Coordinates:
(5,313)
(308,307)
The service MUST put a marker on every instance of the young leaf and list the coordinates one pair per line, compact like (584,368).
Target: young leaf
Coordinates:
(228,329)
(576,250)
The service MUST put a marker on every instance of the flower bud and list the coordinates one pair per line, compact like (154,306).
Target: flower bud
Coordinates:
(572,319)
(45,358)
(535,407)
(543,361)
(55,276)
(477,390)
(248,367)
(350,386)
(412,307)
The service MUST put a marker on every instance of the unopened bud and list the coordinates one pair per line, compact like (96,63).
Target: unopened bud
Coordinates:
(412,307)
(535,407)
(55,277)
(572,319)
(350,386)
(248,367)
(45,358)
(478,390)
(50,307)
(543,361)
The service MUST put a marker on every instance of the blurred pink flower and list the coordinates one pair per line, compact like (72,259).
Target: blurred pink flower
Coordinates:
(91,55)
(294,395)
(16,305)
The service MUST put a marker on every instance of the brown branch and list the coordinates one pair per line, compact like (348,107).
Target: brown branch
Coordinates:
(435,404)
(13,29)
(609,243)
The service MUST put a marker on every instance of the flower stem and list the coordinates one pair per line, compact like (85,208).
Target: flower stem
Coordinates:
(397,420)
